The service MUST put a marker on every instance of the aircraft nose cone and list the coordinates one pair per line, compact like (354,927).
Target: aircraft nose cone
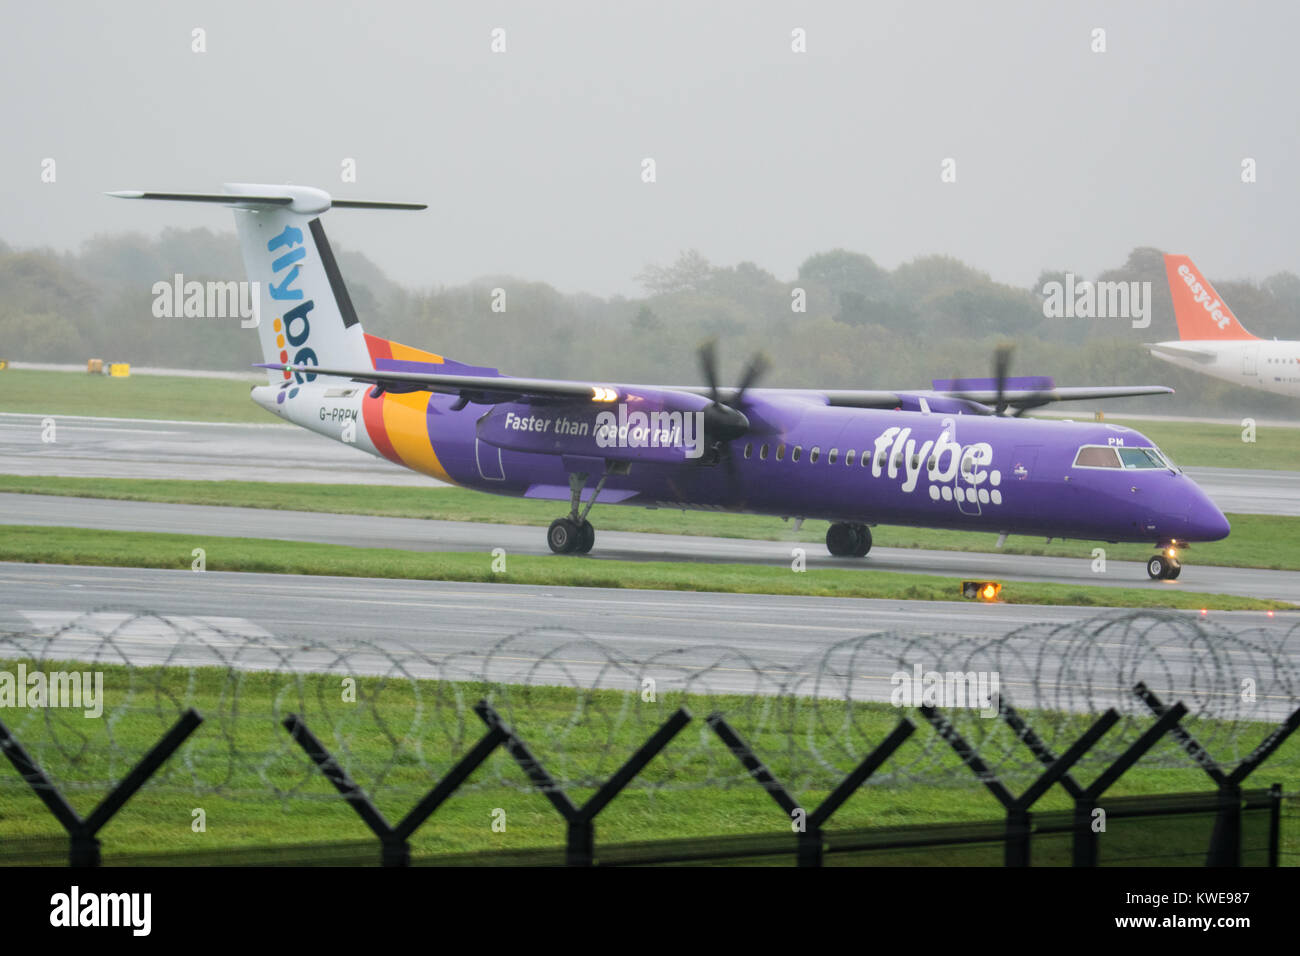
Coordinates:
(1206,522)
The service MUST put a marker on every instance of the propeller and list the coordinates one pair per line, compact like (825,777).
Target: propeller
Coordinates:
(724,422)
(1001,372)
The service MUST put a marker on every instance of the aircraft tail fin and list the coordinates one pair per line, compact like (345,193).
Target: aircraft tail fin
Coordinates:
(1201,314)
(305,316)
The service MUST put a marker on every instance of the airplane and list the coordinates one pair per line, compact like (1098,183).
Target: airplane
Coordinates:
(959,455)
(1213,342)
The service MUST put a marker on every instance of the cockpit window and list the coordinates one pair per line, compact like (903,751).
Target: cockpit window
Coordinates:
(1097,456)
(1141,458)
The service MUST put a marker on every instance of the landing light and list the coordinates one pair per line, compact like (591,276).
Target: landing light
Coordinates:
(1172,552)
(980,590)
(600,393)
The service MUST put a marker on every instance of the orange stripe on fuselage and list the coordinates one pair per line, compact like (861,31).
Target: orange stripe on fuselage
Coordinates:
(372,409)
(398,424)
(406,419)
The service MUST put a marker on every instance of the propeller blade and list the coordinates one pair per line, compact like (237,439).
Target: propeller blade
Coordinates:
(1001,366)
(709,365)
(758,367)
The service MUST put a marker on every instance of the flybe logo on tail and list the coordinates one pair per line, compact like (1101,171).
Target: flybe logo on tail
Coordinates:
(1203,297)
(294,328)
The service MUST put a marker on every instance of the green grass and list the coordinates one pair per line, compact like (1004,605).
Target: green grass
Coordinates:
(137,396)
(1257,541)
(401,736)
(197,399)
(54,545)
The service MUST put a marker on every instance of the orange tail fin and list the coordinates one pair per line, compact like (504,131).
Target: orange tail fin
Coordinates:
(1201,314)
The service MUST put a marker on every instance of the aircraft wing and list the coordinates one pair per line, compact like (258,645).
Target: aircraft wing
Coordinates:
(485,389)
(980,401)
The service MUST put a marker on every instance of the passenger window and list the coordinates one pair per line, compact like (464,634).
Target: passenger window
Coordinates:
(762,452)
(749,448)
(832,456)
(1097,456)
(814,454)
(798,450)
(848,456)
(780,452)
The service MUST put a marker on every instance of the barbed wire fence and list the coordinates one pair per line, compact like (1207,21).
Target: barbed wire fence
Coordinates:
(397,716)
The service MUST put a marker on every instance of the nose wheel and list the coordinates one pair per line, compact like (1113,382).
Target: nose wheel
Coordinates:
(1161,567)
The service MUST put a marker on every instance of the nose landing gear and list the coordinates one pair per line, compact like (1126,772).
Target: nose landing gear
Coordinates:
(1165,566)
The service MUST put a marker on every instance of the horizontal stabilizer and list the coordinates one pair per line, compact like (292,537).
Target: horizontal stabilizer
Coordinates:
(301,199)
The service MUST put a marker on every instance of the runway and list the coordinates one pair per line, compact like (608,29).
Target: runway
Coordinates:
(729,643)
(199,451)
(422,535)
(140,448)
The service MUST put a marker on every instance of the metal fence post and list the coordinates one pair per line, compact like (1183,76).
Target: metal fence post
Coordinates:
(1085,840)
(394,841)
(83,845)
(809,844)
(1225,840)
(1019,820)
(580,844)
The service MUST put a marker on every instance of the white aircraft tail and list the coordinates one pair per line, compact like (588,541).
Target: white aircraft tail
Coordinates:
(305,315)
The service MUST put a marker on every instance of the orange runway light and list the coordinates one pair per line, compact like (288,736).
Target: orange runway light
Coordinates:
(980,590)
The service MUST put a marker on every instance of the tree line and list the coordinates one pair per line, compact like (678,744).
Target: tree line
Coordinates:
(842,321)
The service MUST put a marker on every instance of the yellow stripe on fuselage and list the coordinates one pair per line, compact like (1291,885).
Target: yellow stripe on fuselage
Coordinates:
(406,421)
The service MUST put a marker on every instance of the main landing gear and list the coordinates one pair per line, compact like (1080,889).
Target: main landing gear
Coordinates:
(848,540)
(1164,566)
(573,534)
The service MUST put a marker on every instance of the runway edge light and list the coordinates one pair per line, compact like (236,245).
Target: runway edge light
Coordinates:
(980,590)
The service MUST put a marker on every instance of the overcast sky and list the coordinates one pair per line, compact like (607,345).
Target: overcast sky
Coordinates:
(531,159)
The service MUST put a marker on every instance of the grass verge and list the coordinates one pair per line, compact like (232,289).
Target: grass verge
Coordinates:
(1257,541)
(55,545)
(171,397)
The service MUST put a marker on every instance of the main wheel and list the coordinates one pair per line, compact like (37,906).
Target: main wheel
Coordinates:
(1158,567)
(1176,570)
(564,536)
(586,538)
(841,539)
(864,541)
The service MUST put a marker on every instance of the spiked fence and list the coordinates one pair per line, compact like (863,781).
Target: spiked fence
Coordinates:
(1090,699)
